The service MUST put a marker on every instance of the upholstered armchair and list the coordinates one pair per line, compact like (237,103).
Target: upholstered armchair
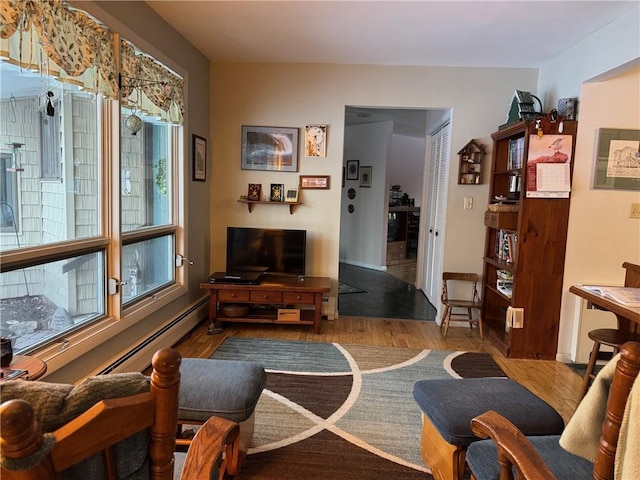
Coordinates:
(118,426)
(601,441)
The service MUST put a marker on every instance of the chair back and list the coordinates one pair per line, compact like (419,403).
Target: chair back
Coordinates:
(447,277)
(92,443)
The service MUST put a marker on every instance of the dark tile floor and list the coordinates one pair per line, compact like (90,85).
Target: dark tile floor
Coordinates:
(383,296)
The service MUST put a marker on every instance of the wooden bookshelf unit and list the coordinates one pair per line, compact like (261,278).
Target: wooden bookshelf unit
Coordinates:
(525,246)
(265,299)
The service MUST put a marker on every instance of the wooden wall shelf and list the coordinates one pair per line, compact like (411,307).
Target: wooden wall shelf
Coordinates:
(250,204)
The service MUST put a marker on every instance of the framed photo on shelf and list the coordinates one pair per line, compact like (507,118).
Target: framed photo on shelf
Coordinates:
(352,169)
(199,158)
(254,192)
(277,192)
(269,148)
(365,176)
(292,195)
(617,164)
(319,182)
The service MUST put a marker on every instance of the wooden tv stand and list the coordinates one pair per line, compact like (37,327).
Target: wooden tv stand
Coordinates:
(272,291)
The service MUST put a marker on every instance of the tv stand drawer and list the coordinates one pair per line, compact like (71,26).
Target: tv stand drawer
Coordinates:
(266,296)
(298,297)
(233,295)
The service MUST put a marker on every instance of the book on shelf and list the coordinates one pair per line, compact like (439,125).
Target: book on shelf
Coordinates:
(629,296)
(506,246)
(516,153)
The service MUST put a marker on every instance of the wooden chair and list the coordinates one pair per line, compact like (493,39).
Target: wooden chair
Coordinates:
(516,450)
(468,305)
(94,439)
(612,337)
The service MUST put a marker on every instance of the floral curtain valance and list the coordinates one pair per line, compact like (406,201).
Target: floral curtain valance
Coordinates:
(49,37)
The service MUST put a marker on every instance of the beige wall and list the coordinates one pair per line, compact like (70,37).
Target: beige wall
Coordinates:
(601,235)
(296,95)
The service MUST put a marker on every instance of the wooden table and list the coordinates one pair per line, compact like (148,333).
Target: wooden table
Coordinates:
(627,316)
(297,291)
(36,367)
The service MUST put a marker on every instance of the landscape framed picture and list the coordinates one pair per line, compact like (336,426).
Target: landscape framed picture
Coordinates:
(320,182)
(269,148)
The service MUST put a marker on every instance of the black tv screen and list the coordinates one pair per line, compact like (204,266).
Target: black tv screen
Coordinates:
(279,251)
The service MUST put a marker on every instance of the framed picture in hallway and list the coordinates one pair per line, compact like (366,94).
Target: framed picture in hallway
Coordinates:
(353,169)
(365,176)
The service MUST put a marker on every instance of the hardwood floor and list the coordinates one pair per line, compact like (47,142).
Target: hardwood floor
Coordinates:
(553,381)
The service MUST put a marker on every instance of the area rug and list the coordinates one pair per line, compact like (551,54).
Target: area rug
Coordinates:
(344,288)
(332,412)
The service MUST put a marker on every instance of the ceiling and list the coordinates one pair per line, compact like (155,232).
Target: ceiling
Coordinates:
(516,33)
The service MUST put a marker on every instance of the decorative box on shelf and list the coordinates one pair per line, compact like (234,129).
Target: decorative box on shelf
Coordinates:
(470,168)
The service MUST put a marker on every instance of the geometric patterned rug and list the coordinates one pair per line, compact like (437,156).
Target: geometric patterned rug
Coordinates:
(335,411)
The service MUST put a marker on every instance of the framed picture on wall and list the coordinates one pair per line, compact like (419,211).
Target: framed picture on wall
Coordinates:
(199,158)
(352,169)
(365,176)
(269,148)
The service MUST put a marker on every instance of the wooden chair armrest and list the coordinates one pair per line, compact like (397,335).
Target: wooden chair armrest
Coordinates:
(205,455)
(513,446)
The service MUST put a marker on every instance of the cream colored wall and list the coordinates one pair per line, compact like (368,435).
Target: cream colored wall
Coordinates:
(601,235)
(296,95)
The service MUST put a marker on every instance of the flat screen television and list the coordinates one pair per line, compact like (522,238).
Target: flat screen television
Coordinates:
(277,251)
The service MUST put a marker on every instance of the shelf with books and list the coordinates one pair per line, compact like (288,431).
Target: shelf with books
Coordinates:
(525,243)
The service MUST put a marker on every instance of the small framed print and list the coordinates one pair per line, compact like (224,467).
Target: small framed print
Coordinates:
(199,159)
(365,176)
(320,182)
(277,192)
(254,192)
(291,196)
(315,141)
(352,169)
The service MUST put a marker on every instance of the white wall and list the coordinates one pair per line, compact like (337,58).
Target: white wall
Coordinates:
(406,166)
(601,235)
(297,95)
(360,245)
(601,54)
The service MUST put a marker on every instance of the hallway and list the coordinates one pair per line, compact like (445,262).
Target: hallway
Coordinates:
(381,295)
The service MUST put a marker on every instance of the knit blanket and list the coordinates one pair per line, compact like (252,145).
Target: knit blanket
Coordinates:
(55,404)
(582,434)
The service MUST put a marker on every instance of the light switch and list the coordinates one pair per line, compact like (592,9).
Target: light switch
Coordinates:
(635,210)
(468,203)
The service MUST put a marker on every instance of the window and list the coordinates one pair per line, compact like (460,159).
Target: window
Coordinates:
(89,223)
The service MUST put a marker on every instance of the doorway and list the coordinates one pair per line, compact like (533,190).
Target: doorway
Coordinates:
(394,142)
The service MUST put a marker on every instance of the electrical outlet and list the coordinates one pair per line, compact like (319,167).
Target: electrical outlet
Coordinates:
(518,317)
(635,210)
(468,203)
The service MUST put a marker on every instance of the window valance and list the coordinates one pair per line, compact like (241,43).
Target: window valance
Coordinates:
(51,38)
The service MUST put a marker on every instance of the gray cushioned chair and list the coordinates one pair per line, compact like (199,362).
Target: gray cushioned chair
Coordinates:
(228,389)
(595,434)
(448,405)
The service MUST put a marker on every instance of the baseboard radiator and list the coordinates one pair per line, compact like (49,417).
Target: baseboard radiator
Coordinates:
(138,358)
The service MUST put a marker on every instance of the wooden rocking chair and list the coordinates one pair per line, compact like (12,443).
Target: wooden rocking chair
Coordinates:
(548,460)
(119,437)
